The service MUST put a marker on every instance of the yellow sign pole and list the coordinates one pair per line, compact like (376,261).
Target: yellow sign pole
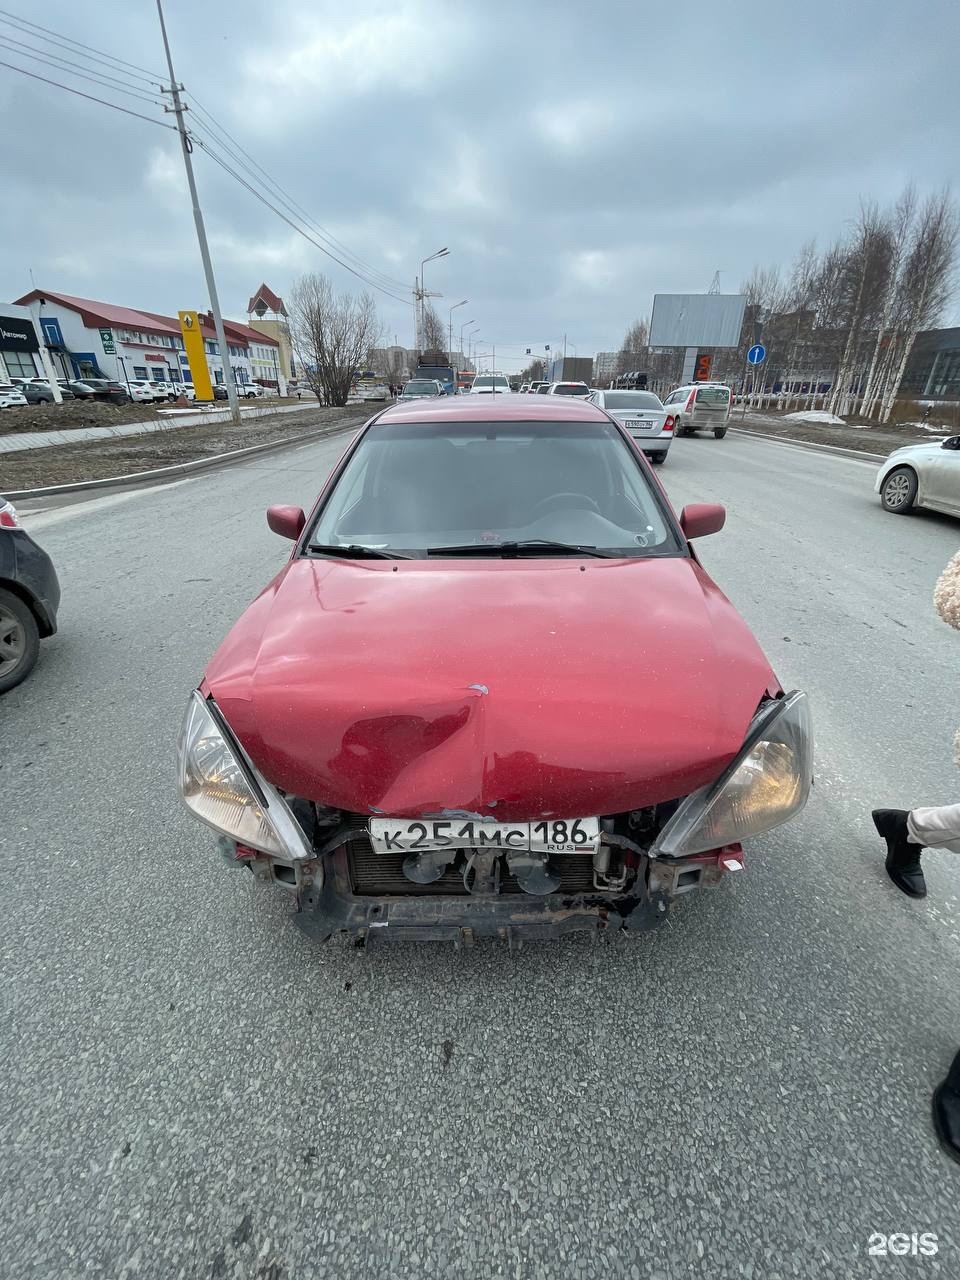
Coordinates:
(197,357)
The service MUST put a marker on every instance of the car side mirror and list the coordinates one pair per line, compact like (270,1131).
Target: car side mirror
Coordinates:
(697,519)
(287,521)
(951,442)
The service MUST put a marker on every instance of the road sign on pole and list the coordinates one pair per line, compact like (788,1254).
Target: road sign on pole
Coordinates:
(757,354)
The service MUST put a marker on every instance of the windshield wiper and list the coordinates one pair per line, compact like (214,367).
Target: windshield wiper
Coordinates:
(356,551)
(526,546)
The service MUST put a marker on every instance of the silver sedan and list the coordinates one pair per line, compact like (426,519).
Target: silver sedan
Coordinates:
(643,415)
(922,475)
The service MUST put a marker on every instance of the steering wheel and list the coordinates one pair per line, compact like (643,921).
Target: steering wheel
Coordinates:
(555,500)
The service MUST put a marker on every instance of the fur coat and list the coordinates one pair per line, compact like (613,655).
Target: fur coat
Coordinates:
(946,600)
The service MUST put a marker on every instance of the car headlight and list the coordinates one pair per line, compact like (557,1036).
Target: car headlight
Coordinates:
(221,787)
(768,783)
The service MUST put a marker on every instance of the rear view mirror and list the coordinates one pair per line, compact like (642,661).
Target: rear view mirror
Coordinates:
(697,519)
(287,521)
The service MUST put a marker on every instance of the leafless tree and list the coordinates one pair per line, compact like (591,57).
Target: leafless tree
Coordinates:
(331,335)
(432,333)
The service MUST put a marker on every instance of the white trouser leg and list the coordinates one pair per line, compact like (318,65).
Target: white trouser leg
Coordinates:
(937,828)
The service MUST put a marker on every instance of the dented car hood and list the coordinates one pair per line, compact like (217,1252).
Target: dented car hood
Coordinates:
(511,688)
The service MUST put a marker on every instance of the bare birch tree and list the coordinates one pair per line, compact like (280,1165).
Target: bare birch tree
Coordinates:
(432,333)
(331,334)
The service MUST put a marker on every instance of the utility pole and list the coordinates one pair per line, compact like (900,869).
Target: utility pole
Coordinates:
(178,109)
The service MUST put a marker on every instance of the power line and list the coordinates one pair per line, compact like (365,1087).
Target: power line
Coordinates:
(237,153)
(14,19)
(103,81)
(299,230)
(89,96)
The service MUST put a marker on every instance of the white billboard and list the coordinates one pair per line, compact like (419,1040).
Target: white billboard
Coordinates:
(696,319)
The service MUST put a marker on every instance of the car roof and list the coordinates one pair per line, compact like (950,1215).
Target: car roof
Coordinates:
(505,408)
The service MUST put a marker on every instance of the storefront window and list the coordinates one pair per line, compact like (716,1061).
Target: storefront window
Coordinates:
(19,364)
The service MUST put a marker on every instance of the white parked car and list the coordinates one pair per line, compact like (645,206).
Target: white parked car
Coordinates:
(643,415)
(11,395)
(249,390)
(922,475)
(490,384)
(141,392)
(163,390)
(700,404)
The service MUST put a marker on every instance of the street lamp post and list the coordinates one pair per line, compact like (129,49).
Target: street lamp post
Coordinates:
(419,293)
(450,312)
(462,327)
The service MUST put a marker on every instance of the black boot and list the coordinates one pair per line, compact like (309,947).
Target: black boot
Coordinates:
(903,856)
(946,1111)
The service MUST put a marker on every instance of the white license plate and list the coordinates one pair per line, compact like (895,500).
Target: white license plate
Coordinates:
(639,424)
(408,835)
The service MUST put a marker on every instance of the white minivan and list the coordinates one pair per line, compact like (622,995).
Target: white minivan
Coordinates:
(700,404)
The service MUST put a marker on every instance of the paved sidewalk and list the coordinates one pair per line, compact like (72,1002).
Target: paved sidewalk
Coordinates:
(16,441)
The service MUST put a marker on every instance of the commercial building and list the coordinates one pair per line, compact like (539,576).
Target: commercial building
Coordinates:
(933,370)
(267,315)
(606,366)
(21,352)
(87,338)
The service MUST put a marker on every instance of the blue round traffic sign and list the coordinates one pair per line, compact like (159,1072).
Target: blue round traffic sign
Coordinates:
(757,354)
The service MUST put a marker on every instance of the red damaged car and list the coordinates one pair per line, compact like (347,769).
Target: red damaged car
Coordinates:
(492,691)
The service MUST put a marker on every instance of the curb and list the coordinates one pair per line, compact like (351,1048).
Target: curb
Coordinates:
(137,478)
(859,454)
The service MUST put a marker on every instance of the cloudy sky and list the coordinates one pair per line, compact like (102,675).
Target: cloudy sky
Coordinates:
(576,159)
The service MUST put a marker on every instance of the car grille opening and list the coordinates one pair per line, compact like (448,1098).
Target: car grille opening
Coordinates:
(381,874)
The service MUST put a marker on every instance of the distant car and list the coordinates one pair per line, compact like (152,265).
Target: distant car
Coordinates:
(29,598)
(39,392)
(543,389)
(162,390)
(106,389)
(486,384)
(568,389)
(220,392)
(80,389)
(11,396)
(922,475)
(422,389)
(141,391)
(700,404)
(534,387)
(524,388)
(253,390)
(643,415)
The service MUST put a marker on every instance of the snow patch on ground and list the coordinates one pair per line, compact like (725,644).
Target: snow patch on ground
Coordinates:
(815,415)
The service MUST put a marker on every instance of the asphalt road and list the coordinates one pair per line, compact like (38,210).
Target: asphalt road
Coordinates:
(189,1088)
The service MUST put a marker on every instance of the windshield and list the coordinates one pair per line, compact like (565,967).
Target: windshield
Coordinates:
(412,486)
(421,387)
(631,400)
(489,380)
(571,389)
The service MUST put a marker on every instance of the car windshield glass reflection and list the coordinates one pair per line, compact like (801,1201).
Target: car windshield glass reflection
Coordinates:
(421,388)
(631,400)
(413,486)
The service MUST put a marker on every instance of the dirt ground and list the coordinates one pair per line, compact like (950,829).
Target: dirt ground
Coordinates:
(73,414)
(97,459)
(866,438)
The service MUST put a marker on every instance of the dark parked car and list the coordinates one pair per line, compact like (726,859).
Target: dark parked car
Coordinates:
(492,690)
(29,598)
(220,393)
(80,389)
(38,392)
(105,389)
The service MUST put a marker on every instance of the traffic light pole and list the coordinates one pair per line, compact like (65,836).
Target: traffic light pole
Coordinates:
(178,108)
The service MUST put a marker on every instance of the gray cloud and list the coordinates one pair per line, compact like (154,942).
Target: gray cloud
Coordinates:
(575,159)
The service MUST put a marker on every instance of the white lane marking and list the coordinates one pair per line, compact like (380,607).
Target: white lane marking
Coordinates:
(44,518)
